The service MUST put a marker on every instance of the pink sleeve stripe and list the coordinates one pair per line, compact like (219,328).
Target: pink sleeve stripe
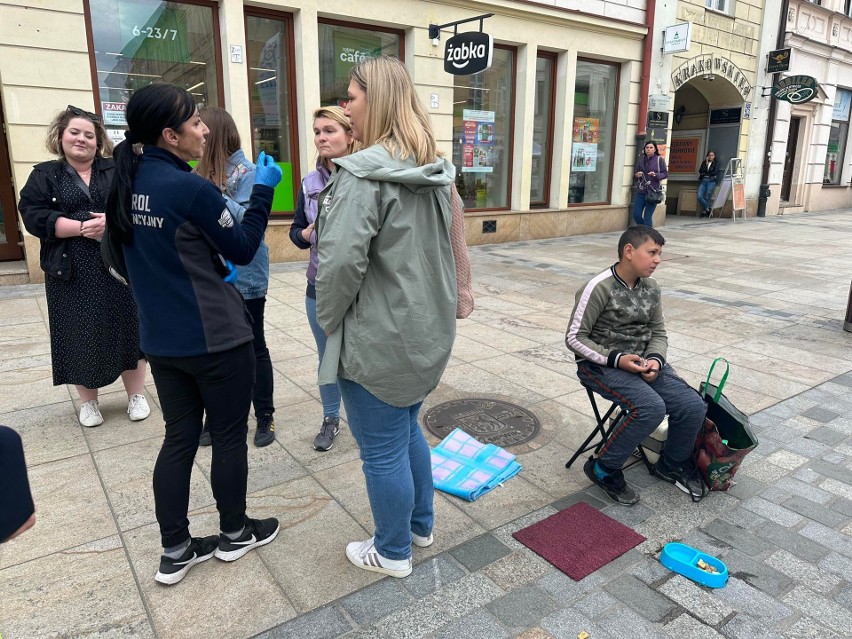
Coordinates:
(571,340)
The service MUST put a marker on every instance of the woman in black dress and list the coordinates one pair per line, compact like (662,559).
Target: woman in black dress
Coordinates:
(94,330)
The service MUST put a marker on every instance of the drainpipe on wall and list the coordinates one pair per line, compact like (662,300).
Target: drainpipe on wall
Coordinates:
(770,125)
(644,88)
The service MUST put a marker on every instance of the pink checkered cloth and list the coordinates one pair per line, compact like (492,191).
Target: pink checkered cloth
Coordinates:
(467,468)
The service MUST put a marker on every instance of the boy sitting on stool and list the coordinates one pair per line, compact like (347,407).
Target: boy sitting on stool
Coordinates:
(618,337)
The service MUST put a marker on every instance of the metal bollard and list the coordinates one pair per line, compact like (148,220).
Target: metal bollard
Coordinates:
(847,325)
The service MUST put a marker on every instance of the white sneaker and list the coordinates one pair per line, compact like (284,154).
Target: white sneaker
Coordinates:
(138,408)
(90,416)
(422,542)
(364,555)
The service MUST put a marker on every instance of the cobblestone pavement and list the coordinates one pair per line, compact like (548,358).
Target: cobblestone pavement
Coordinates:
(767,294)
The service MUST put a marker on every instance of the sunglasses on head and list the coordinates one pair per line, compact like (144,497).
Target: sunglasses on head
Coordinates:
(94,117)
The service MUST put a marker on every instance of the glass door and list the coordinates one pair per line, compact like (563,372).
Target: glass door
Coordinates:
(10,249)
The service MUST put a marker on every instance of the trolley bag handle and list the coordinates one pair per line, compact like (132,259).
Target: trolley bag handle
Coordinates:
(724,377)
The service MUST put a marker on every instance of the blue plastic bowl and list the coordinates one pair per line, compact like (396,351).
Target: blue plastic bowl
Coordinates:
(683,560)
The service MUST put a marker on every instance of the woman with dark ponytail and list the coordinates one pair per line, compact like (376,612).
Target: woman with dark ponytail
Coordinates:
(179,244)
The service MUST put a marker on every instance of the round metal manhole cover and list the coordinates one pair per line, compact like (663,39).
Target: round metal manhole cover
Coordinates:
(488,420)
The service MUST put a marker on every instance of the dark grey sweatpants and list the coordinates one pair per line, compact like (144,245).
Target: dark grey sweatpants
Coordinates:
(646,404)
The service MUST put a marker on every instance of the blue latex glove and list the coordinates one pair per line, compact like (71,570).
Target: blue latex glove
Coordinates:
(232,275)
(268,173)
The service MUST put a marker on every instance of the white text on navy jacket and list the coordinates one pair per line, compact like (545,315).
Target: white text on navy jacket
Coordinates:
(139,202)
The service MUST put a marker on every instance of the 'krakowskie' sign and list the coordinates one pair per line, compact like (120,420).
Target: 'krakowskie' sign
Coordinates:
(710,64)
(797,89)
(468,53)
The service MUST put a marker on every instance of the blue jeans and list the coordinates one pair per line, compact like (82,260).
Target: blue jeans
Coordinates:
(705,192)
(646,404)
(643,212)
(397,465)
(329,393)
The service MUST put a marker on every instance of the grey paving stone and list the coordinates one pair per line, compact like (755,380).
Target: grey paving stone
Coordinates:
(836,564)
(833,457)
(322,623)
(696,601)
(838,542)
(594,603)
(564,589)
(820,414)
(432,574)
(809,509)
(743,517)
(650,570)
(478,625)
(830,470)
(804,572)
(807,475)
(621,564)
(808,628)
(746,627)
(630,516)
(802,547)
(745,487)
(638,475)
(826,435)
(790,487)
(842,505)
(480,552)
(756,573)
(575,498)
(706,543)
(686,627)
(807,447)
(516,569)
(831,614)
(844,597)
(753,602)
(772,512)
(644,600)
(370,604)
(625,623)
(736,537)
(845,379)
(567,624)
(504,533)
(523,607)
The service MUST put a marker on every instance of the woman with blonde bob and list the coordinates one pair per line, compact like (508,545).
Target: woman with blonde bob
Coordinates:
(333,139)
(386,298)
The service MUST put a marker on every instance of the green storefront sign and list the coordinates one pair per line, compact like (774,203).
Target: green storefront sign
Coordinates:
(796,89)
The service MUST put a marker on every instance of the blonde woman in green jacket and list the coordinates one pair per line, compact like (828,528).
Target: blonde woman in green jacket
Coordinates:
(386,298)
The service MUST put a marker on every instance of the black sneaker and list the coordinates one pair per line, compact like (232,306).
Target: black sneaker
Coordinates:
(204,440)
(684,476)
(258,532)
(613,484)
(265,433)
(328,431)
(173,570)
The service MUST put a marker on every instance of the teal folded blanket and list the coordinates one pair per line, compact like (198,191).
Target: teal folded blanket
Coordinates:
(467,468)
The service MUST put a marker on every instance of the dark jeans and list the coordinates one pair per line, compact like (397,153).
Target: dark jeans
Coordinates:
(263,386)
(643,212)
(646,404)
(221,384)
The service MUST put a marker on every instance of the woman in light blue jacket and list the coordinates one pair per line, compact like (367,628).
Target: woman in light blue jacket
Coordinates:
(225,164)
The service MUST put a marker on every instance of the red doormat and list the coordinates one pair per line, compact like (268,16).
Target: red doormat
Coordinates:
(579,539)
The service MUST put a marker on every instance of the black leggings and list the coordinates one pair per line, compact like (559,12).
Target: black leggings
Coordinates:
(220,384)
(263,384)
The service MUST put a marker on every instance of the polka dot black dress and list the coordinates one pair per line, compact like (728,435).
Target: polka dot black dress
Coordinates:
(94,330)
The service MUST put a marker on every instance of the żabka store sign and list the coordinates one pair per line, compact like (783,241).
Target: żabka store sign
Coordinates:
(468,53)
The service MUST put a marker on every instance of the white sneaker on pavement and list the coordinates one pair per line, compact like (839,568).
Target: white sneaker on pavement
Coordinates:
(90,416)
(364,555)
(138,408)
(422,542)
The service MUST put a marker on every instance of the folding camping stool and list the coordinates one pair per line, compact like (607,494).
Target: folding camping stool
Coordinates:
(605,425)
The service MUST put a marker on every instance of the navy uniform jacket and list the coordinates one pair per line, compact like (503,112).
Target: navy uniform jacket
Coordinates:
(180,223)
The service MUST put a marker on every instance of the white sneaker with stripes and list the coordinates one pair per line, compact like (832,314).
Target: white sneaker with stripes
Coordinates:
(364,555)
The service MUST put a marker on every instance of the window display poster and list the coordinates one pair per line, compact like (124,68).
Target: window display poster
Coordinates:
(685,154)
(842,102)
(584,157)
(113,113)
(586,130)
(478,143)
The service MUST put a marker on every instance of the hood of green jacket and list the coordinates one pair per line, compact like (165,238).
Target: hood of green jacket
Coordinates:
(376,163)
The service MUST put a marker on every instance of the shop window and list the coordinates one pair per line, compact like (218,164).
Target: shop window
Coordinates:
(272,98)
(542,147)
(725,6)
(483,112)
(837,137)
(342,45)
(139,42)
(593,130)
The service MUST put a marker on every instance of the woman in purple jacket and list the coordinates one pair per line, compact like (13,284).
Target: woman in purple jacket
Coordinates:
(333,139)
(650,169)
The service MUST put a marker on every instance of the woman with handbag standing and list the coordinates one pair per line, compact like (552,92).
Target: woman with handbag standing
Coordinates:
(386,298)
(649,171)
(94,330)
(707,182)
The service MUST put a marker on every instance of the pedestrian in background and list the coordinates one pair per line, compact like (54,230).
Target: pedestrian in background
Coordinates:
(178,236)
(333,139)
(649,170)
(707,182)
(225,164)
(94,330)
(386,298)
